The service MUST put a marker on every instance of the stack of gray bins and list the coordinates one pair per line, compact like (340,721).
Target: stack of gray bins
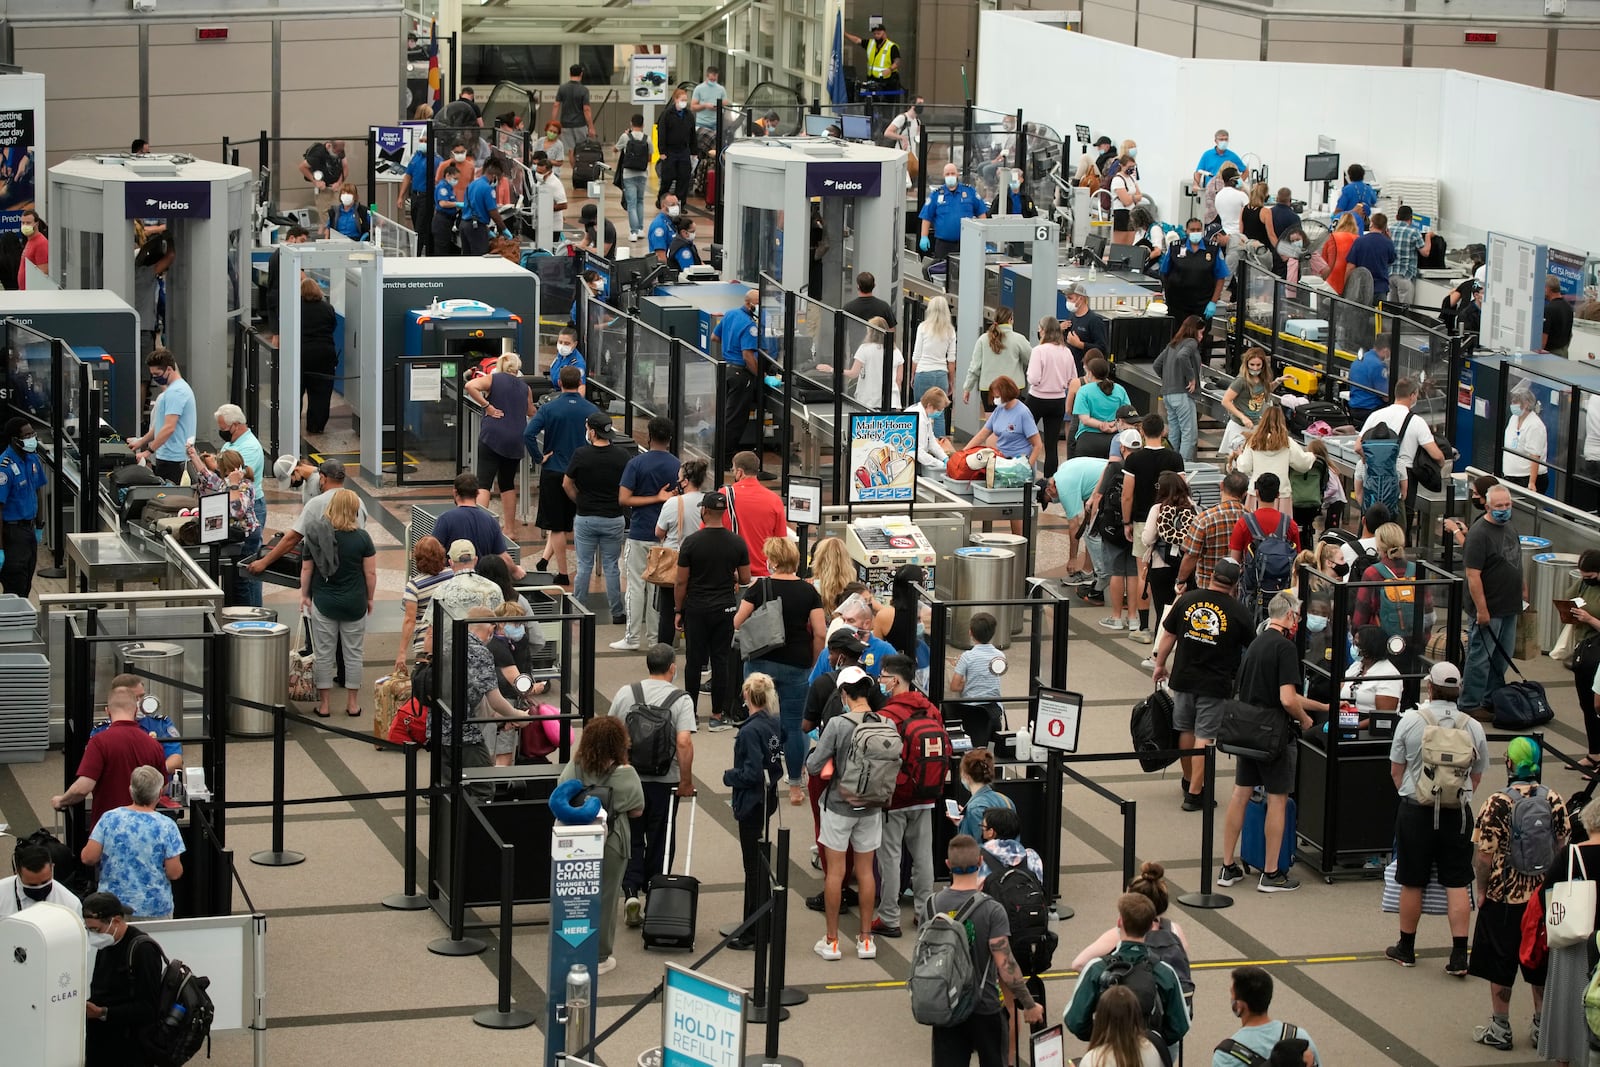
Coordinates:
(24,686)
(1205,485)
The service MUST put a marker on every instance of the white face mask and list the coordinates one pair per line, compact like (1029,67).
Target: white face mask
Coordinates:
(100,940)
(672,212)
(346,199)
(458,156)
(680,103)
(1222,146)
(949,181)
(564,350)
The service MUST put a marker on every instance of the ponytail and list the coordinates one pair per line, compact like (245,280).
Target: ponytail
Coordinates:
(1100,371)
(997,336)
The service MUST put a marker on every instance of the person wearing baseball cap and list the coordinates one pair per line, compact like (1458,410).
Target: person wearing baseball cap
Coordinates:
(1504,853)
(125,985)
(330,475)
(1430,831)
(713,563)
(1084,330)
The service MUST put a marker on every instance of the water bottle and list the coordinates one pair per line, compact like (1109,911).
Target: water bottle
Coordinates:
(175,788)
(174,1018)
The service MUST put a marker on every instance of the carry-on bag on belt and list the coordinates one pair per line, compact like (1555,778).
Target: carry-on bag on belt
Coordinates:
(672,901)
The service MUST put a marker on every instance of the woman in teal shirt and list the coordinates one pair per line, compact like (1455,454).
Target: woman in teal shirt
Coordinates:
(1096,407)
(977,775)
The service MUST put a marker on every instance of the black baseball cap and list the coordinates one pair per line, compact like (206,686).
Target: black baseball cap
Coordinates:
(104,906)
(1103,141)
(1129,413)
(599,422)
(714,502)
(845,640)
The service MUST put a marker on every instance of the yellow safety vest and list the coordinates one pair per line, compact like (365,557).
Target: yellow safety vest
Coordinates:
(878,62)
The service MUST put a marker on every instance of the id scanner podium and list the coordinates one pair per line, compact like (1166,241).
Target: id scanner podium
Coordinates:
(44,984)
(879,546)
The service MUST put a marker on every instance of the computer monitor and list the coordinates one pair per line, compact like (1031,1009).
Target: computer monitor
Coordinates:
(856,127)
(1126,257)
(821,126)
(1322,167)
(1095,244)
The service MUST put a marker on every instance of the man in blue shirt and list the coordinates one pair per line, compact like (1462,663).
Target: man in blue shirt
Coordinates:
(649,482)
(21,508)
(557,430)
(941,215)
(480,210)
(567,355)
(683,254)
(1356,196)
(171,422)
(740,337)
(1410,243)
(414,190)
(661,231)
(469,522)
(446,212)
(1374,251)
(1369,382)
(1212,159)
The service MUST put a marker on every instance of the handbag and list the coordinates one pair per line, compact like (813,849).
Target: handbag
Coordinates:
(661,563)
(1253,732)
(764,630)
(1569,907)
(1566,647)
(1534,946)
(1435,899)
(301,686)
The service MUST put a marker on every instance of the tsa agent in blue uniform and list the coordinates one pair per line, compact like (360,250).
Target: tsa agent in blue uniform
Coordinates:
(348,217)
(661,231)
(1193,273)
(683,254)
(942,214)
(1356,196)
(740,336)
(481,210)
(21,508)
(446,212)
(567,355)
(415,190)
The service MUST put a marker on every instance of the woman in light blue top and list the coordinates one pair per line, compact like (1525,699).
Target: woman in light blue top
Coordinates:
(1096,406)
(138,850)
(977,775)
(1010,425)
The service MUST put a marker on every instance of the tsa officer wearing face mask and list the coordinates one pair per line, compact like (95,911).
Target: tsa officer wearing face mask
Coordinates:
(349,217)
(21,508)
(942,214)
(1193,273)
(34,883)
(1212,159)
(662,232)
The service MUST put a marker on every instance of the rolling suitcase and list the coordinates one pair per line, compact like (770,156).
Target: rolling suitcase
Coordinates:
(672,901)
(586,160)
(1253,838)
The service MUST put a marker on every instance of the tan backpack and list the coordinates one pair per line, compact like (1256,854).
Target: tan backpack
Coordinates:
(1448,753)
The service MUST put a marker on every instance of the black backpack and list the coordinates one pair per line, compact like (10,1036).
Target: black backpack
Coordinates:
(652,740)
(1022,895)
(1108,519)
(1151,728)
(635,153)
(70,872)
(1140,977)
(184,1012)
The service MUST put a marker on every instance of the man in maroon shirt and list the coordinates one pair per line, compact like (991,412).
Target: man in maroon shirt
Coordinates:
(757,512)
(111,755)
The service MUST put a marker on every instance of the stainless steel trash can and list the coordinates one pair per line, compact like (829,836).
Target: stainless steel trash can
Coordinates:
(1553,574)
(1017,574)
(981,575)
(245,613)
(1531,546)
(258,668)
(164,660)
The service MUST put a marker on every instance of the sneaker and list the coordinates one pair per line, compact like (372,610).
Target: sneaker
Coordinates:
(619,620)
(1405,957)
(1110,623)
(1142,637)
(563,578)
(622,644)
(1495,1035)
(1078,578)
(866,948)
(633,911)
(1191,801)
(1090,597)
(607,965)
(718,724)
(1149,664)
(883,929)
(1230,873)
(1279,882)
(827,948)
(1533,1032)
(542,565)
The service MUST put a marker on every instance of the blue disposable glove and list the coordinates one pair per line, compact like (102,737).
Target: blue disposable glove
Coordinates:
(925,244)
(38,534)
(1211,308)
(773,381)
(2,557)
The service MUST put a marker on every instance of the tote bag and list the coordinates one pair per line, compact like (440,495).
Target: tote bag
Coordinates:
(1435,900)
(661,564)
(1569,907)
(763,631)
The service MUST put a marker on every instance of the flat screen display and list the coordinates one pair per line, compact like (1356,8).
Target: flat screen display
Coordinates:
(1322,167)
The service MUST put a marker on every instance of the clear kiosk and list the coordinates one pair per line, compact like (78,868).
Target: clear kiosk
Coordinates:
(205,207)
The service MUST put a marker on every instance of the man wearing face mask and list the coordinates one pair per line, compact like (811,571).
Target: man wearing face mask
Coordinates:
(567,355)
(1212,159)
(739,337)
(675,141)
(1017,200)
(1193,273)
(1498,590)
(908,822)
(34,883)
(172,421)
(1083,329)
(550,188)
(661,228)
(22,482)
(480,211)
(126,985)
(941,215)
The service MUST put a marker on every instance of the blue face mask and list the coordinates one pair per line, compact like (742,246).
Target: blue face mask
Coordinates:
(1316,623)
(1500,515)
(30,444)
(883,689)
(1195,236)
(515,631)
(1516,410)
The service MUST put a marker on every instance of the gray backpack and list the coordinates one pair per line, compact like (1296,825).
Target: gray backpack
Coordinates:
(943,984)
(871,763)
(1532,848)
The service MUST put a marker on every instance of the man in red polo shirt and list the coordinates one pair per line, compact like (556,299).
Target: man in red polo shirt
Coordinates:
(757,512)
(111,755)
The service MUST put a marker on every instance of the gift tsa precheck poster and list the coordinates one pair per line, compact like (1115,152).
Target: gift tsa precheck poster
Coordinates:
(883,458)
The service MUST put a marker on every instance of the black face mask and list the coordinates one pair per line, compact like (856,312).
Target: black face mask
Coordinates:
(1591,582)
(38,893)
(1478,504)
(917,108)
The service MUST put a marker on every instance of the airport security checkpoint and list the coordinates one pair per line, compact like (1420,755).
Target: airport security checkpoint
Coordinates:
(908,491)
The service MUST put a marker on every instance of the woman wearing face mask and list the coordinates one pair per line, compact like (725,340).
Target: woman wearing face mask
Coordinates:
(551,144)
(675,141)
(1319,644)
(977,778)
(1125,195)
(23,530)
(1374,684)
(1335,252)
(1526,442)
(447,198)
(1250,392)
(227,473)
(601,764)
(1095,407)
(1000,352)
(933,355)
(1052,367)
(1586,662)
(512,647)
(348,217)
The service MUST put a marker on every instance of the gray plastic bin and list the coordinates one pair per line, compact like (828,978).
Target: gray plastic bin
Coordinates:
(258,668)
(981,574)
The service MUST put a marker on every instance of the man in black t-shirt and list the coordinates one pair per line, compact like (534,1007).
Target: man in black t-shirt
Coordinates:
(593,482)
(867,305)
(1141,471)
(1497,590)
(1205,633)
(712,563)
(1557,318)
(125,986)
(1269,677)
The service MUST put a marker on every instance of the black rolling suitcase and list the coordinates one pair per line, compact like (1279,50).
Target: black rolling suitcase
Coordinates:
(672,901)
(586,160)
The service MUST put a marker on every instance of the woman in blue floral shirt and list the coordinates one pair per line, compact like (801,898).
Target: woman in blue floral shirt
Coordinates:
(138,849)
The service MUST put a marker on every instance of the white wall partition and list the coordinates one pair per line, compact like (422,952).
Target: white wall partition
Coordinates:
(1402,122)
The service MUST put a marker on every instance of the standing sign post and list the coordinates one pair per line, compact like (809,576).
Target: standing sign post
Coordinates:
(883,459)
(802,500)
(702,1021)
(576,853)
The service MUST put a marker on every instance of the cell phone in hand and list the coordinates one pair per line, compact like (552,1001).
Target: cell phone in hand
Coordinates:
(952,809)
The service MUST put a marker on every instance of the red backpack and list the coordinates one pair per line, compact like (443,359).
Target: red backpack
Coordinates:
(410,722)
(956,466)
(925,760)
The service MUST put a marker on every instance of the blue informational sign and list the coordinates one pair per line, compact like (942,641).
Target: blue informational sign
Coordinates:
(702,1021)
(883,458)
(1568,269)
(167,199)
(576,855)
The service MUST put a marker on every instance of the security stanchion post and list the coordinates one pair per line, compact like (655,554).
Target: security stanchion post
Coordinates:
(277,855)
(778,921)
(1206,898)
(761,996)
(503,1016)
(458,943)
(410,899)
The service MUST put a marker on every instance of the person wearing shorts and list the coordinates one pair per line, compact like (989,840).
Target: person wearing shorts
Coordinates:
(1432,840)
(1269,677)
(844,826)
(1203,637)
(507,404)
(558,428)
